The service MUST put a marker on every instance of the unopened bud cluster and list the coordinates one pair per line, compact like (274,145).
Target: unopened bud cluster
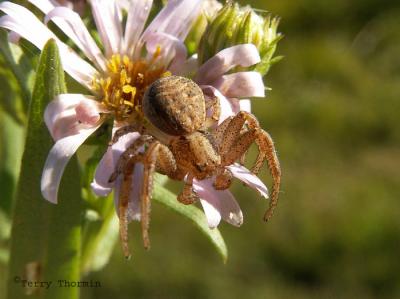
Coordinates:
(234,25)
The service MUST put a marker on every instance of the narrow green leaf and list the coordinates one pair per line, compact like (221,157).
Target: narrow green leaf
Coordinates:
(167,198)
(22,73)
(43,234)
(12,138)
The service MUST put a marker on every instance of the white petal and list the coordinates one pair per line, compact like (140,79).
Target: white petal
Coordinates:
(106,167)
(61,116)
(173,51)
(56,161)
(244,55)
(212,214)
(218,201)
(44,5)
(73,26)
(245,105)
(246,176)
(100,184)
(175,18)
(138,13)
(24,23)
(188,67)
(242,84)
(106,16)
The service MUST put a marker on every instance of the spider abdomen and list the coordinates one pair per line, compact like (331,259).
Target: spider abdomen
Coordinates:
(175,105)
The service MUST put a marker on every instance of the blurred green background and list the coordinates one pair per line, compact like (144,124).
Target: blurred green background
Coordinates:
(333,112)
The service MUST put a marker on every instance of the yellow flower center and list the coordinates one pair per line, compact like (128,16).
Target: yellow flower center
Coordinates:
(122,87)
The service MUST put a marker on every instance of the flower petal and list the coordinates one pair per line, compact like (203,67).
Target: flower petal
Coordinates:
(212,213)
(175,18)
(24,23)
(245,105)
(107,19)
(67,114)
(138,13)
(173,51)
(106,167)
(244,55)
(56,161)
(216,202)
(250,179)
(242,84)
(188,67)
(75,29)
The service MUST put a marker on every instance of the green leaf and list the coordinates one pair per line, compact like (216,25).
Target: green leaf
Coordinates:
(167,198)
(12,138)
(17,77)
(44,234)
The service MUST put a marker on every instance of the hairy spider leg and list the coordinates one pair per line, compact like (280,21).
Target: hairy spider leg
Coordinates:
(232,148)
(264,141)
(149,159)
(123,207)
(188,196)
(127,154)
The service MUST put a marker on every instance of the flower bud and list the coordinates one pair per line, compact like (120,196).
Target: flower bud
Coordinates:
(208,10)
(234,25)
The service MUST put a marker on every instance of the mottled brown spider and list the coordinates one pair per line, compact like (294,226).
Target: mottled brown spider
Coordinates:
(178,144)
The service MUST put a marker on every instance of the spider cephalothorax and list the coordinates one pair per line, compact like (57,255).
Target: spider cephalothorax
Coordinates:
(179,144)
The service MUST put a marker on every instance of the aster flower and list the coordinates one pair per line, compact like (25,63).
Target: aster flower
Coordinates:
(116,76)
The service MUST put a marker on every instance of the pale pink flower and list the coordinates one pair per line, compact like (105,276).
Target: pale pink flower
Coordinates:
(72,118)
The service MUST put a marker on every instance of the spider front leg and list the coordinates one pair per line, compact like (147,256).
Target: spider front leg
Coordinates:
(149,162)
(127,154)
(127,163)
(123,203)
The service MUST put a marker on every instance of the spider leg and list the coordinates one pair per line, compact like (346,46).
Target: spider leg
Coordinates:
(266,152)
(166,163)
(275,170)
(149,161)
(218,132)
(223,179)
(125,130)
(123,207)
(127,155)
(188,196)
